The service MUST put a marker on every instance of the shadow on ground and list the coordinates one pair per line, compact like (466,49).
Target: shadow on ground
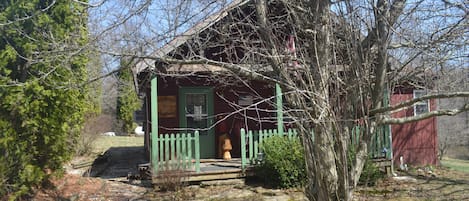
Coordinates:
(117,162)
(445,184)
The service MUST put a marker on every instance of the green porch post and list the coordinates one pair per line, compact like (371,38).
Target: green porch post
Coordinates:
(243,149)
(279,103)
(387,128)
(154,124)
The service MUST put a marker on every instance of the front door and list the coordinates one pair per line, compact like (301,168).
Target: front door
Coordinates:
(196,112)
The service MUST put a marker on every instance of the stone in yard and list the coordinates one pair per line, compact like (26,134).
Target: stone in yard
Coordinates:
(405,179)
(222,182)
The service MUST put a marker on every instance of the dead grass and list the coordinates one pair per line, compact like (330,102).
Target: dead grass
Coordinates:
(103,143)
(446,185)
(456,164)
(74,187)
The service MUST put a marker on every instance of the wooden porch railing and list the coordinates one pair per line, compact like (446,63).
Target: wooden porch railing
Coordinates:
(380,146)
(181,151)
(177,151)
(251,142)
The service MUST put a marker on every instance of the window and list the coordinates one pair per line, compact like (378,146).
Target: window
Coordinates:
(422,106)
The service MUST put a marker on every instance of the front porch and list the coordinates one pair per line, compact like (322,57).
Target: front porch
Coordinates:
(179,155)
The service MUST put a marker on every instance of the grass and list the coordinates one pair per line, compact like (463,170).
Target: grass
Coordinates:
(456,164)
(103,143)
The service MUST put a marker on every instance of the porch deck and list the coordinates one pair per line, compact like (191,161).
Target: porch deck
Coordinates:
(214,169)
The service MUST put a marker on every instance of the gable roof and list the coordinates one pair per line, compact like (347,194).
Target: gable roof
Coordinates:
(187,35)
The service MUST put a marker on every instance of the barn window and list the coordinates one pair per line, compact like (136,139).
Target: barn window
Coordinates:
(422,106)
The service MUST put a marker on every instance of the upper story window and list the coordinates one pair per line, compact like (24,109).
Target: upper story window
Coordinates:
(422,106)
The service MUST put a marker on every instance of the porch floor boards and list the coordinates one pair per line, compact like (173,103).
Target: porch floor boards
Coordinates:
(215,169)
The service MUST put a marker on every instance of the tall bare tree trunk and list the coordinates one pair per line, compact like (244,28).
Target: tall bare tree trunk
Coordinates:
(321,158)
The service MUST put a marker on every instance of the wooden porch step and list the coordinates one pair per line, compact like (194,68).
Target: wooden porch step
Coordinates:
(206,175)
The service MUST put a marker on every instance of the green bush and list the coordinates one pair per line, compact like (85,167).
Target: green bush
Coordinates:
(283,165)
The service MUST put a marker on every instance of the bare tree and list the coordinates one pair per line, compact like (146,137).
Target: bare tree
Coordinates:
(348,54)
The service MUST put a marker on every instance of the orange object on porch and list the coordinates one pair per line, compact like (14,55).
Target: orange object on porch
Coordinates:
(224,147)
(221,141)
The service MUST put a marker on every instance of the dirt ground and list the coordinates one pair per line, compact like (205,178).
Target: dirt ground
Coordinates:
(441,184)
(109,182)
(74,187)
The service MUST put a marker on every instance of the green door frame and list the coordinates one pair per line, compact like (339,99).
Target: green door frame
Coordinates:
(208,140)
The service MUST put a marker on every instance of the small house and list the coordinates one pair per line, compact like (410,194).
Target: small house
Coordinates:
(191,109)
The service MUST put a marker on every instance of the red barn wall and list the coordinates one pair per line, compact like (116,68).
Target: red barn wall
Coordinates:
(416,141)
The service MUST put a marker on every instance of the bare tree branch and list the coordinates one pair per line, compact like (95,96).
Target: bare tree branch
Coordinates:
(450,112)
(415,100)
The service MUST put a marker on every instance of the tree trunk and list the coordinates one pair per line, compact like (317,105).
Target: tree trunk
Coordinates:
(321,165)
(321,154)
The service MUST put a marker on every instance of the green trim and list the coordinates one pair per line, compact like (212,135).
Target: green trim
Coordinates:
(208,139)
(387,128)
(197,151)
(279,101)
(176,152)
(182,101)
(154,123)
(243,149)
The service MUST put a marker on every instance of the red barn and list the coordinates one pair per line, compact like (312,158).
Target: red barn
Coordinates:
(416,142)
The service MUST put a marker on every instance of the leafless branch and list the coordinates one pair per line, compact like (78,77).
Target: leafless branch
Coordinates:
(415,100)
(403,120)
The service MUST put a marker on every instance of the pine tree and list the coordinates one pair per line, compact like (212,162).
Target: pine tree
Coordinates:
(127,100)
(43,101)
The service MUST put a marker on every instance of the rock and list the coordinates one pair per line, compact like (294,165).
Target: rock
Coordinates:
(258,189)
(420,172)
(109,134)
(222,182)
(268,192)
(193,187)
(405,179)
(273,192)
